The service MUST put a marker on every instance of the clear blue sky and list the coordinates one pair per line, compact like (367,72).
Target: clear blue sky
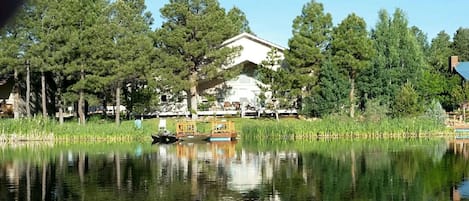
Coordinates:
(272,19)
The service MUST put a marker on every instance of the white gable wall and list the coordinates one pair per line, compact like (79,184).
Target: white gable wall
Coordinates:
(254,50)
(243,88)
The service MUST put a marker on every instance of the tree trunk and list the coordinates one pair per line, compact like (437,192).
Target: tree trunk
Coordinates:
(16,96)
(43,95)
(61,110)
(118,103)
(193,95)
(352,97)
(81,101)
(28,90)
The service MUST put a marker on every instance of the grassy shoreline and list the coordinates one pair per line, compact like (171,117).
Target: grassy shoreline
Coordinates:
(39,129)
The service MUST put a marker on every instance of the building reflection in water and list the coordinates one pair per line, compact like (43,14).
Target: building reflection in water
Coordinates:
(240,170)
(460,147)
(221,170)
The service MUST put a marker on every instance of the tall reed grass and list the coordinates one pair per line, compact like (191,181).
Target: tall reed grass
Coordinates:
(38,128)
(292,129)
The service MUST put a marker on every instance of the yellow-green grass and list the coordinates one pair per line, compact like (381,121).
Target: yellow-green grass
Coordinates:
(248,129)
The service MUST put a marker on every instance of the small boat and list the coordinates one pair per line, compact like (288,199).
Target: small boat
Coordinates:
(164,138)
(163,135)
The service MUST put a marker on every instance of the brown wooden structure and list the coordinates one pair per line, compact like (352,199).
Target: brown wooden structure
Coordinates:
(186,129)
(222,130)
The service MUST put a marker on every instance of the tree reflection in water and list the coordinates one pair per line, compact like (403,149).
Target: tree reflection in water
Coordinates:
(323,170)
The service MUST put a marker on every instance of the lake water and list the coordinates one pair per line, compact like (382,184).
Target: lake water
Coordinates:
(429,169)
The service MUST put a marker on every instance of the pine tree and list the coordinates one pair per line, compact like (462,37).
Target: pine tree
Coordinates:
(15,40)
(352,50)
(311,37)
(124,49)
(461,44)
(332,95)
(190,45)
(78,20)
(239,20)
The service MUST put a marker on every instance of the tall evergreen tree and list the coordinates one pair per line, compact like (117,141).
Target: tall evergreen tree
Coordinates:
(332,96)
(307,47)
(127,29)
(352,50)
(461,44)
(190,41)
(79,19)
(15,40)
(239,20)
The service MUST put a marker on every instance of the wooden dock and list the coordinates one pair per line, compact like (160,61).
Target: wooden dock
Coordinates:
(222,130)
(186,129)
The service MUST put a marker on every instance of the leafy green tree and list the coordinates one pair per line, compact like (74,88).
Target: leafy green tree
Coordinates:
(407,102)
(440,51)
(445,82)
(399,59)
(190,45)
(461,44)
(421,38)
(352,50)
(307,47)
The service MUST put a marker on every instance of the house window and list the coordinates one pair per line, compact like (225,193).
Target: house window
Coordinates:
(164,98)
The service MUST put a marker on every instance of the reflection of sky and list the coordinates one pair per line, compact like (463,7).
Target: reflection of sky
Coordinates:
(464,189)
(245,174)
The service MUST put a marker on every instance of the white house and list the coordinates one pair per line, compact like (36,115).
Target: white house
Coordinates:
(245,87)
(242,91)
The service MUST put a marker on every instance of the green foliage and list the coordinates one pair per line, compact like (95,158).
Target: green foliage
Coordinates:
(399,58)
(98,46)
(337,127)
(436,112)
(375,111)
(311,36)
(461,44)
(239,19)
(352,51)
(332,94)
(271,80)
(406,102)
(189,42)
(444,85)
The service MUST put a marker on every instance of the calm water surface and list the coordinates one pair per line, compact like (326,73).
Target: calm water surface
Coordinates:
(324,170)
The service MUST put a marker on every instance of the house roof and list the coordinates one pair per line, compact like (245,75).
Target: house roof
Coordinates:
(254,38)
(463,69)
